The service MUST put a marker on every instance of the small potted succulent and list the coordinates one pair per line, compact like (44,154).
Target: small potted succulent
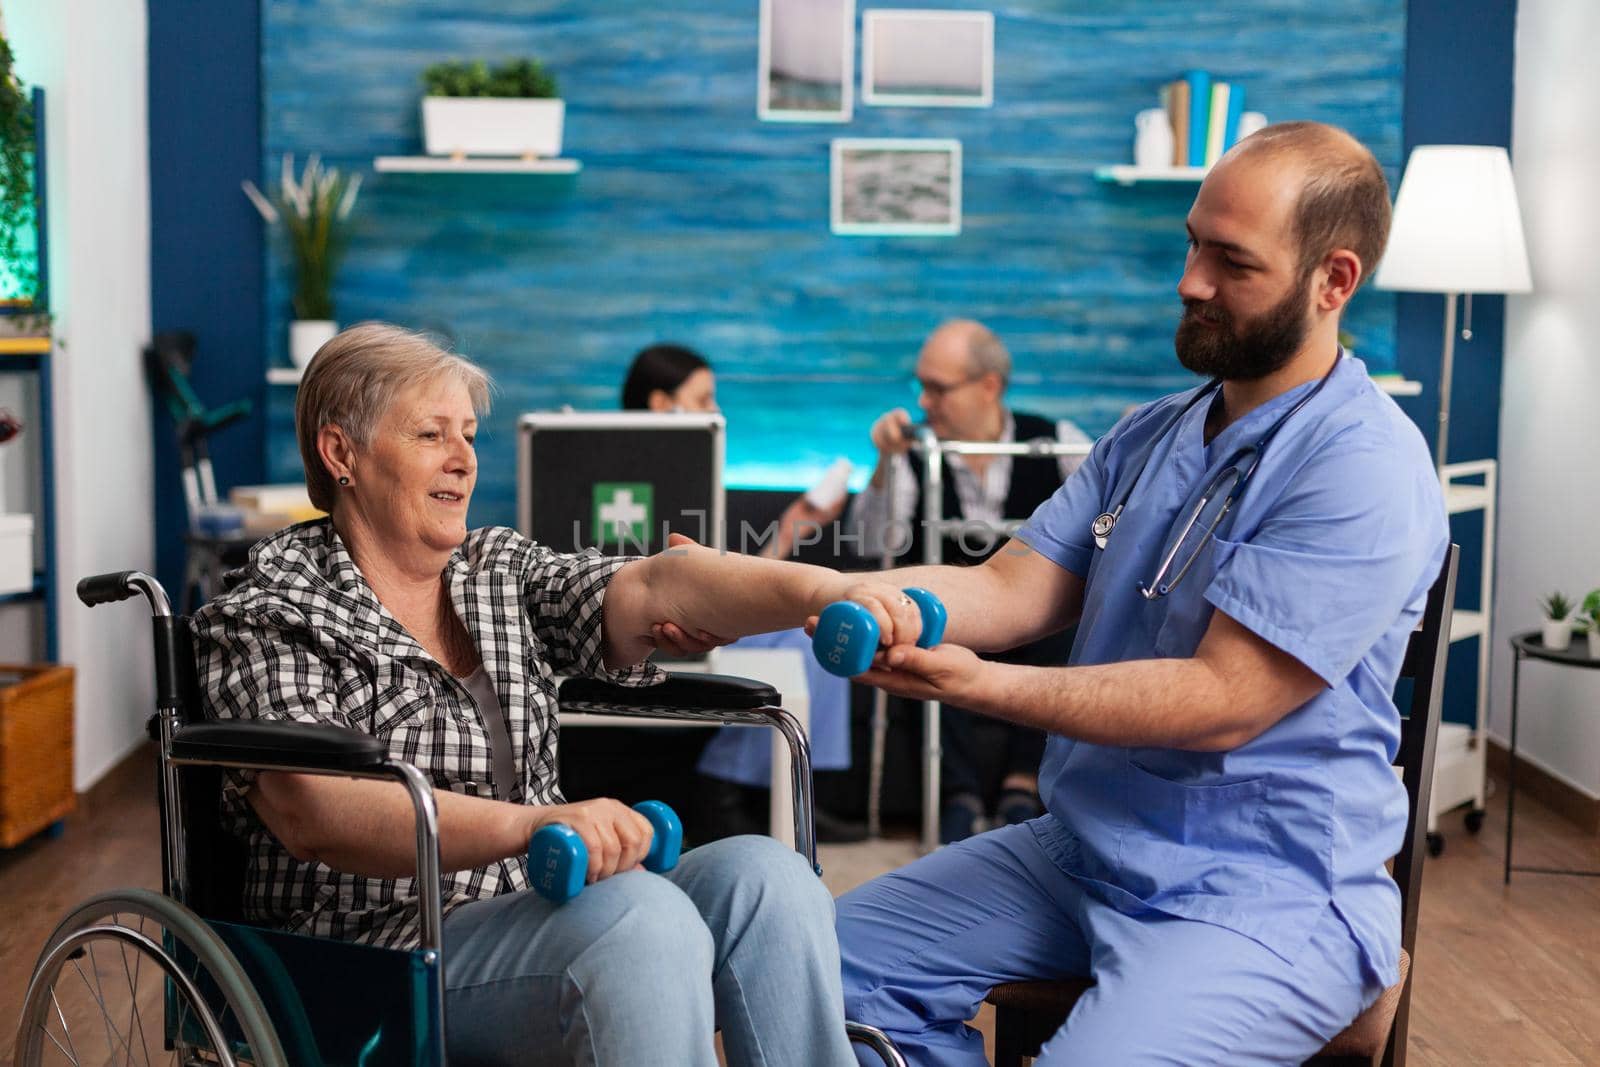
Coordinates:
(512,110)
(1557,621)
(1589,621)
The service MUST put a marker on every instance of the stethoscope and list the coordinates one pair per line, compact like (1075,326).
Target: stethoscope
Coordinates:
(1235,472)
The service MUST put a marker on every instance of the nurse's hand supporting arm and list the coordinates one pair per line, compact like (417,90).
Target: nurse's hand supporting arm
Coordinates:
(1235,687)
(1014,597)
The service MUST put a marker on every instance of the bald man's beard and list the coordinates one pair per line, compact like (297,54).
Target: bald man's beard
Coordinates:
(1220,347)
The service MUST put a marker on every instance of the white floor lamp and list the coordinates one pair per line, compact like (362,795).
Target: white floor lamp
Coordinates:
(1457,231)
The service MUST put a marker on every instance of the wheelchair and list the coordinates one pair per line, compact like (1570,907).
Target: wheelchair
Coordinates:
(135,976)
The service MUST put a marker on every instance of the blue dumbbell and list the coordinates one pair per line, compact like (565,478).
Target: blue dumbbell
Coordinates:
(847,634)
(558,860)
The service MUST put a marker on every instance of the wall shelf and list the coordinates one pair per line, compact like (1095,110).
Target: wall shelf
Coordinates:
(473,165)
(24,346)
(1128,174)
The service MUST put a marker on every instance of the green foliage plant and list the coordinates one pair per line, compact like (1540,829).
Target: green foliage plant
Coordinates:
(16,177)
(517,78)
(1589,613)
(313,211)
(1556,607)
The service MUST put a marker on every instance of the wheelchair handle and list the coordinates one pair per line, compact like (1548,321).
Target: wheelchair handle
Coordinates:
(120,585)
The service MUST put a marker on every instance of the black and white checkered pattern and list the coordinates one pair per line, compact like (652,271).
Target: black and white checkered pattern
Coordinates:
(302,637)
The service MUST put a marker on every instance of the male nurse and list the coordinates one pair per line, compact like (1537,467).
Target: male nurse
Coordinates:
(1218,789)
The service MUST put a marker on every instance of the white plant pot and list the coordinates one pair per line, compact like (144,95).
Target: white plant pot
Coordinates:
(492,126)
(308,335)
(1594,644)
(1557,634)
(1152,139)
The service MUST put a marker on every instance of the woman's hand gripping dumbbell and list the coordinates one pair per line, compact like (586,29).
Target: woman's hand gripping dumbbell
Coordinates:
(847,636)
(560,861)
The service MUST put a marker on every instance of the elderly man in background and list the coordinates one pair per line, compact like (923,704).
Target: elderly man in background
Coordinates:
(962,373)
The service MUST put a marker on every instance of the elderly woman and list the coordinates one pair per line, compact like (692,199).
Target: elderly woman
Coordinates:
(390,617)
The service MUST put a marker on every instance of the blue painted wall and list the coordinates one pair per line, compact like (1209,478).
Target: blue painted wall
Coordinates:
(205,241)
(694,221)
(1460,57)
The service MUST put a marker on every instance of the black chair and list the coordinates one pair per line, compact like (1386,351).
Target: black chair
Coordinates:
(1028,1013)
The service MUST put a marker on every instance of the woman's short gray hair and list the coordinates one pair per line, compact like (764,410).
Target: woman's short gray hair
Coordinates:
(356,376)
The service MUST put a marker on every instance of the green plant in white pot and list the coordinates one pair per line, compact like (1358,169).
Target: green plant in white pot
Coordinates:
(512,110)
(1589,621)
(313,211)
(1557,621)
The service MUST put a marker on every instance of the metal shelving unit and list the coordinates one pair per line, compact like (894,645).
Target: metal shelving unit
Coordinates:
(1459,770)
(30,355)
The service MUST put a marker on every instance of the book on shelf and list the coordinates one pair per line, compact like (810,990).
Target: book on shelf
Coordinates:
(1204,113)
(1177,102)
(1235,110)
(1199,83)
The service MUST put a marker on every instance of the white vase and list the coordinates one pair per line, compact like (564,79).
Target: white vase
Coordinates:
(1152,138)
(1557,634)
(478,126)
(1250,122)
(1594,644)
(308,335)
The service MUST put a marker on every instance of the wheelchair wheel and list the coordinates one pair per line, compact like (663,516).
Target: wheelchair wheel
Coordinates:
(135,977)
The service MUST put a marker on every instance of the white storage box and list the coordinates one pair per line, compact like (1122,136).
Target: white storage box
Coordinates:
(492,126)
(16,553)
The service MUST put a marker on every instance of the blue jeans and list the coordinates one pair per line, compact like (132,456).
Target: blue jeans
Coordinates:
(923,946)
(641,968)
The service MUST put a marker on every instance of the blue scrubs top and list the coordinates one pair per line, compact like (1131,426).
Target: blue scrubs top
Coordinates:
(1328,555)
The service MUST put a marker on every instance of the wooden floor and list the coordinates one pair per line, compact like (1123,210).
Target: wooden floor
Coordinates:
(1504,975)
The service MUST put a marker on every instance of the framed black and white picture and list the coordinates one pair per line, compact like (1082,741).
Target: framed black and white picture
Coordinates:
(905,186)
(927,58)
(807,60)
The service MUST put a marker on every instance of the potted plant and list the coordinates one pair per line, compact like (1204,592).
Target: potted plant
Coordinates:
(1557,621)
(1589,621)
(512,110)
(313,212)
(18,258)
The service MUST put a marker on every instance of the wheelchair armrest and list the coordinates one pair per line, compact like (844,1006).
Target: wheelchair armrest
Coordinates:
(293,745)
(719,692)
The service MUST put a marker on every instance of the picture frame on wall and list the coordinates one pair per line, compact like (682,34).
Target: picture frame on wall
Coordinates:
(907,186)
(806,64)
(927,58)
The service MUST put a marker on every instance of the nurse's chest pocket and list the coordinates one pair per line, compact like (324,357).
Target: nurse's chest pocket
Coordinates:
(1186,611)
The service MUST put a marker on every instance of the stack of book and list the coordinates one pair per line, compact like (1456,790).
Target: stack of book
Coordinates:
(1205,117)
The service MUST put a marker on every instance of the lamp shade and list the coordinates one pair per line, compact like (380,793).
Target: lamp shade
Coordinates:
(1456,225)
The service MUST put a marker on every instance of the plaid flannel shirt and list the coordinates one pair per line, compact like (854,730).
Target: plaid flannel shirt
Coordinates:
(301,636)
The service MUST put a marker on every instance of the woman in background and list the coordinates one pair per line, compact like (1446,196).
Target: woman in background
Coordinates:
(737,764)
